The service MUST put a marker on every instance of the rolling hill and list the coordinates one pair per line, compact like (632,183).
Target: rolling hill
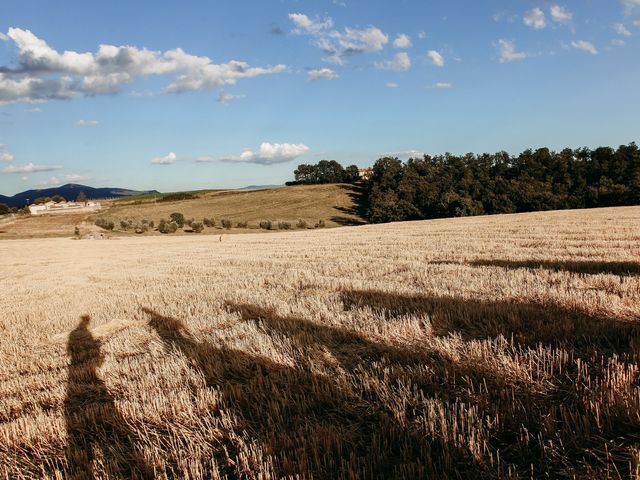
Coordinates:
(336,204)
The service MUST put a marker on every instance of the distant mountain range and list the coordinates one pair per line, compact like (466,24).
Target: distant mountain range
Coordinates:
(69,191)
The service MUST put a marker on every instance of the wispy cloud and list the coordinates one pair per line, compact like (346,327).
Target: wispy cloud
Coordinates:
(5,155)
(30,168)
(402,41)
(87,123)
(442,85)
(401,62)
(436,58)
(621,30)
(585,46)
(168,159)
(560,14)
(339,45)
(225,97)
(322,74)
(508,52)
(392,85)
(270,153)
(535,18)
(59,180)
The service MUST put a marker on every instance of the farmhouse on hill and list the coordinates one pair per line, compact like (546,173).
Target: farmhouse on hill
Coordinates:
(63,207)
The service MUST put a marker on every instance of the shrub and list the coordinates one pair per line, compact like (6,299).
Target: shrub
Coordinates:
(76,232)
(103,223)
(140,229)
(189,221)
(266,225)
(4,209)
(242,224)
(177,218)
(174,197)
(209,222)
(167,227)
(197,227)
(301,224)
(123,225)
(151,224)
(226,223)
(284,226)
(320,224)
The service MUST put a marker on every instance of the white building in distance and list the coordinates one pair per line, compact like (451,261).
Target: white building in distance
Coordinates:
(63,207)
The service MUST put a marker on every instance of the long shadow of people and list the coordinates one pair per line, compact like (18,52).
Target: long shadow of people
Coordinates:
(92,418)
(307,422)
(574,266)
(528,323)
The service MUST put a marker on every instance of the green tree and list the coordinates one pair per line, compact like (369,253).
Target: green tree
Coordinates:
(178,219)
(58,198)
(82,198)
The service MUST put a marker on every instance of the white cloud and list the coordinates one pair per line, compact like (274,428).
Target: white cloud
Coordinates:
(535,18)
(225,97)
(402,41)
(338,45)
(204,159)
(5,155)
(442,85)
(560,14)
(59,180)
(404,155)
(34,110)
(305,25)
(42,73)
(621,30)
(392,85)
(75,177)
(630,5)
(508,52)
(436,58)
(400,63)
(30,168)
(3,37)
(322,74)
(87,123)
(166,160)
(422,35)
(270,153)
(24,178)
(585,46)
(617,42)
(636,23)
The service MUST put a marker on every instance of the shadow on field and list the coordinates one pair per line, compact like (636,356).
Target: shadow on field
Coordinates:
(377,410)
(358,210)
(310,423)
(92,418)
(584,267)
(528,323)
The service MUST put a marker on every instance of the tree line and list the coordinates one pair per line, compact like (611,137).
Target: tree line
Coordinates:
(325,171)
(454,186)
(462,185)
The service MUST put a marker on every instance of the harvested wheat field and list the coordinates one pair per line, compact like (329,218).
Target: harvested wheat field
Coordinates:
(487,347)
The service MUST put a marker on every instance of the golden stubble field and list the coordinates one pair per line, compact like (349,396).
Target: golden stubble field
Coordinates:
(489,347)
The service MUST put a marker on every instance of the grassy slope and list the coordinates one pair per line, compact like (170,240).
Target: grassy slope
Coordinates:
(311,203)
(308,202)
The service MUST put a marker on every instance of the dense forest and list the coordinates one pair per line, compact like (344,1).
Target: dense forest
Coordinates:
(454,186)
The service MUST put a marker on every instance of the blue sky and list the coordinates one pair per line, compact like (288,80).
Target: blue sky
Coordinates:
(228,93)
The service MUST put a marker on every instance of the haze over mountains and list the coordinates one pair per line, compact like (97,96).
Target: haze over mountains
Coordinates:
(69,191)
